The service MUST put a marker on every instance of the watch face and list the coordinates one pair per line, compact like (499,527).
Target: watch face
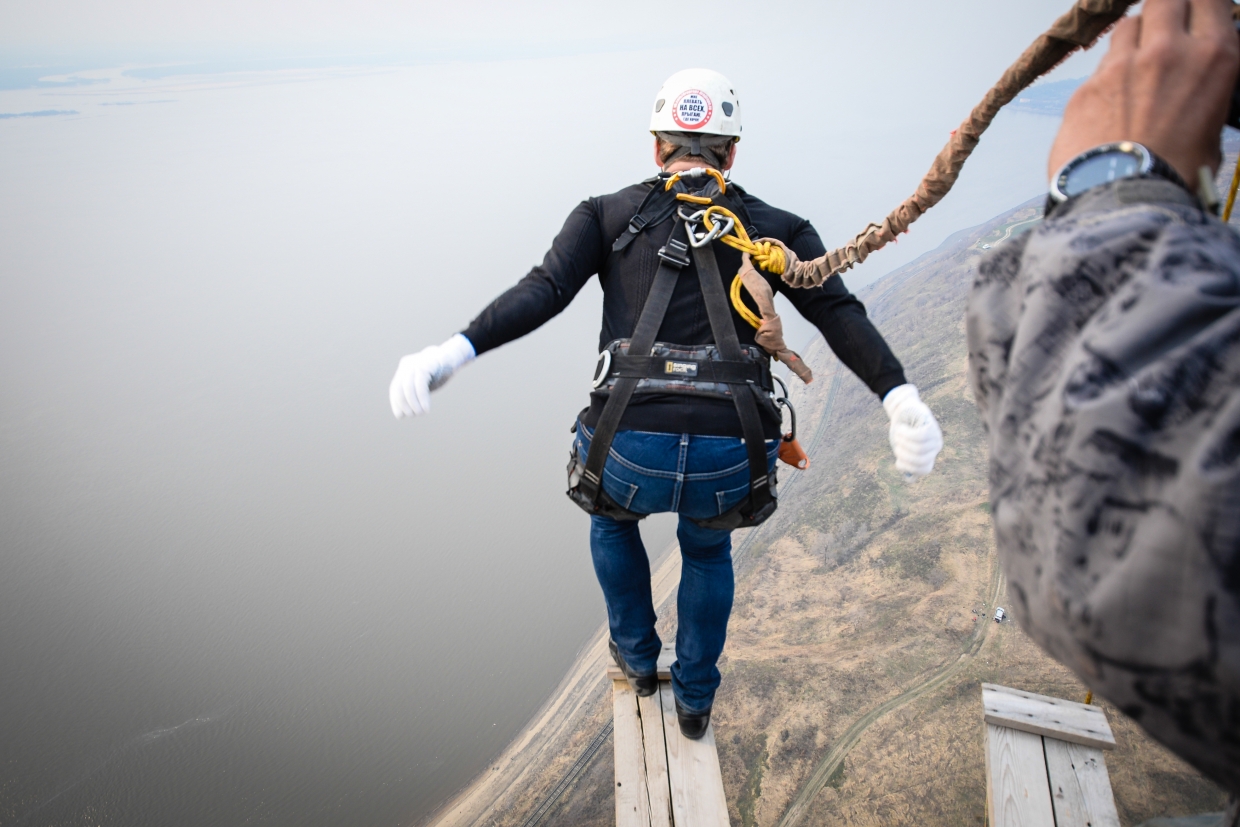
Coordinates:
(1090,172)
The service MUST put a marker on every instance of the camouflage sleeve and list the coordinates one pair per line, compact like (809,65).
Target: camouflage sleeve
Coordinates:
(1104,355)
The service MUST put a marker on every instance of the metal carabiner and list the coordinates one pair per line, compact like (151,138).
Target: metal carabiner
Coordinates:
(722,227)
(603,369)
(790,450)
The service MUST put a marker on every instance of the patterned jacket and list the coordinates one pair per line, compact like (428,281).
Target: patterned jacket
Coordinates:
(1104,354)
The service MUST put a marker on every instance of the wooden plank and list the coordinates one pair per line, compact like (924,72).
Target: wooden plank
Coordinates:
(1017,789)
(664,667)
(655,745)
(693,772)
(1044,715)
(632,802)
(1080,786)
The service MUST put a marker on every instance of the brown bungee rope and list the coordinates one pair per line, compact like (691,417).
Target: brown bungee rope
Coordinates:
(1080,28)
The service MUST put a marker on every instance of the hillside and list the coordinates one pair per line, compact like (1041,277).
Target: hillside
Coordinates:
(861,634)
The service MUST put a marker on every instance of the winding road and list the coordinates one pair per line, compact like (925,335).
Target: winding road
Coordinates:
(834,758)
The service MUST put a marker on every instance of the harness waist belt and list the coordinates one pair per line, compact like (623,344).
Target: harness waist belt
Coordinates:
(658,367)
(698,370)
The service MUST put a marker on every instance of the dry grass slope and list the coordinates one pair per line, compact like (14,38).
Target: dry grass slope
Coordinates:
(862,588)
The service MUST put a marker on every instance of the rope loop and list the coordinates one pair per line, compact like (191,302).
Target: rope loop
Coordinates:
(768,256)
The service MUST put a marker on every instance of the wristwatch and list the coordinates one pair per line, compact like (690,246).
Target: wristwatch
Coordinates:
(1110,162)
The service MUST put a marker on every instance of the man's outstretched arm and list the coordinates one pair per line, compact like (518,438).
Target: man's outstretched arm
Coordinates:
(1104,354)
(575,256)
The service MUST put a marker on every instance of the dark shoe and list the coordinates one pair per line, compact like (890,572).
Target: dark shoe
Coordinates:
(643,685)
(692,724)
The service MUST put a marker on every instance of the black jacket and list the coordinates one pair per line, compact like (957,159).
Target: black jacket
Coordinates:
(584,248)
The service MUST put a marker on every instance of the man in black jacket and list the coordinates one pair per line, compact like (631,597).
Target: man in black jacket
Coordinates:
(677,444)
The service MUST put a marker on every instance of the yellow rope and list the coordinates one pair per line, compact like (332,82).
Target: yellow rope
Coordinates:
(1089,696)
(716,174)
(768,256)
(1231,194)
(755,321)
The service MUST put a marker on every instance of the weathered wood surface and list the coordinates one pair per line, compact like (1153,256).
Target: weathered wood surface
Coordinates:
(1017,789)
(657,784)
(1044,715)
(1080,786)
(693,772)
(632,796)
(663,778)
(664,667)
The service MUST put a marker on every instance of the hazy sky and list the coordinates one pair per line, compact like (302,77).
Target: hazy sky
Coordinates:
(881,40)
(212,265)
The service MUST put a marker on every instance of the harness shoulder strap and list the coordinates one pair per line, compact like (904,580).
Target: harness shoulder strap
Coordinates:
(656,207)
(761,501)
(674,257)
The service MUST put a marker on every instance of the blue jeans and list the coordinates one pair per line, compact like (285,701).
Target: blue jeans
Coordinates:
(695,476)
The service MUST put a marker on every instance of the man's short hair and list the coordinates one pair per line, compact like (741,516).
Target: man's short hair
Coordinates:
(712,149)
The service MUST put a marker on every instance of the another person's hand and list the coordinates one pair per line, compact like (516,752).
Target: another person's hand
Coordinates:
(915,435)
(420,373)
(1165,83)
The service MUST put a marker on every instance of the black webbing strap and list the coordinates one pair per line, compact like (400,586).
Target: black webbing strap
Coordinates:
(724,331)
(656,207)
(674,257)
(672,368)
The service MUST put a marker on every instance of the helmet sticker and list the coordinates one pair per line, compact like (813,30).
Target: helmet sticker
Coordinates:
(692,110)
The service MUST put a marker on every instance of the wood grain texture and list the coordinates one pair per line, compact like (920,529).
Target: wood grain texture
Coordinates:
(1080,786)
(1044,715)
(664,667)
(1017,789)
(632,799)
(693,772)
(655,746)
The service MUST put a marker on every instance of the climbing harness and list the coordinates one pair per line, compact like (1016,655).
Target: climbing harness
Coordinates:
(725,369)
(727,364)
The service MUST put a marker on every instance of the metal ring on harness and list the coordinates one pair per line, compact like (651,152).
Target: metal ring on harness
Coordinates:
(601,376)
(792,412)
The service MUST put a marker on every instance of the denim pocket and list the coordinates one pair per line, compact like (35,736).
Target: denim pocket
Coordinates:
(731,496)
(619,490)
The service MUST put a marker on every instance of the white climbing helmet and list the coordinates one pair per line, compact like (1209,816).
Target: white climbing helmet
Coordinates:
(697,100)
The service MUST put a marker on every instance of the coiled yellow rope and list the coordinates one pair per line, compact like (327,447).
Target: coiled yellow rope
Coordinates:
(755,321)
(768,256)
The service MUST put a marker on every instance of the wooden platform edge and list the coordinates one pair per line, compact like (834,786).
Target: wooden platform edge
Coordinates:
(1057,718)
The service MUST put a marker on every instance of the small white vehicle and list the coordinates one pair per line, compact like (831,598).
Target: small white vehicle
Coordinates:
(1000,615)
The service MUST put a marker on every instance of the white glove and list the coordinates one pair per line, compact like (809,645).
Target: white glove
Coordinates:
(915,436)
(420,373)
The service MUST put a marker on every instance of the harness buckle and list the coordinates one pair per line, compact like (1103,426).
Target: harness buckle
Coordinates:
(604,369)
(675,253)
(637,222)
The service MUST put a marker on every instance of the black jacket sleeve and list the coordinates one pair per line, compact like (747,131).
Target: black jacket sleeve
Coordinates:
(842,319)
(576,254)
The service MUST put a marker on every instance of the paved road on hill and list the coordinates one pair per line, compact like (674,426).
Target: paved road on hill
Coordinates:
(834,758)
